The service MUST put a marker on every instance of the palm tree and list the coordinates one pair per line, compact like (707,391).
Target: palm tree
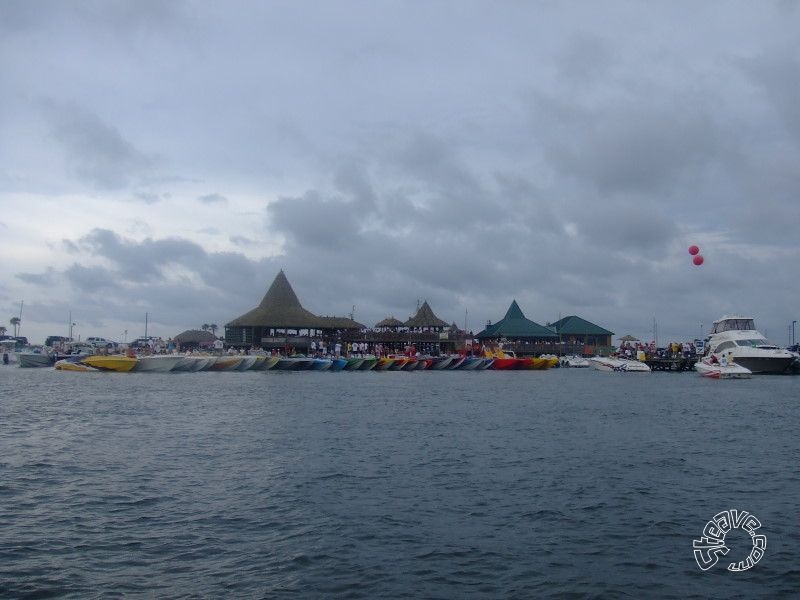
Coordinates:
(213,327)
(204,327)
(2,330)
(15,322)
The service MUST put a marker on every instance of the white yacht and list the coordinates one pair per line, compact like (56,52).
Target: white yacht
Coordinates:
(737,337)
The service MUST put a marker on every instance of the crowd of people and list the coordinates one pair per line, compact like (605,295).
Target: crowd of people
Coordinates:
(671,350)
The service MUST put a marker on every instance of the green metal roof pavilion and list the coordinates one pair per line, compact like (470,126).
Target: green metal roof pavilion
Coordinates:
(573,325)
(515,326)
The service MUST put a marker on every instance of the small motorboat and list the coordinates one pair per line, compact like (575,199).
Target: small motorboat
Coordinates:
(574,361)
(618,365)
(34,359)
(720,367)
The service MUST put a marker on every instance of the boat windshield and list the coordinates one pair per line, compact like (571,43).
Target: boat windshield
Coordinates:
(755,343)
(733,325)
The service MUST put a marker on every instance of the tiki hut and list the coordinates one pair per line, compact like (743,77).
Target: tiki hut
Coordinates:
(425,320)
(339,324)
(278,316)
(389,324)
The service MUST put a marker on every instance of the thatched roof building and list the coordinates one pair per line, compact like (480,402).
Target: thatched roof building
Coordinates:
(425,319)
(280,320)
(279,309)
(339,323)
(389,323)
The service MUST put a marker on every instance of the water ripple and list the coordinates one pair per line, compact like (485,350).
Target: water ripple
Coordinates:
(560,484)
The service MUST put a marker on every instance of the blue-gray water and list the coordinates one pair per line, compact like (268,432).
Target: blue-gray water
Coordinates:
(533,484)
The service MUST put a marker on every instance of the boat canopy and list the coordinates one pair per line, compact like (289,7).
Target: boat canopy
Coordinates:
(733,324)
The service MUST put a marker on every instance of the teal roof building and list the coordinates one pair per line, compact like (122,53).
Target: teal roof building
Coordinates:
(514,326)
(575,330)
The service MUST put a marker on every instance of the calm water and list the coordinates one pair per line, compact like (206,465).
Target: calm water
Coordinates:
(565,483)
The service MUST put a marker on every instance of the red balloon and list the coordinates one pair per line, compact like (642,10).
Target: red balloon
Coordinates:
(694,250)
(698,260)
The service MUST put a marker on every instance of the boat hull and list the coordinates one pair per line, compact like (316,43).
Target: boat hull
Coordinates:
(508,364)
(71,365)
(30,360)
(158,363)
(117,363)
(226,363)
(765,364)
(705,368)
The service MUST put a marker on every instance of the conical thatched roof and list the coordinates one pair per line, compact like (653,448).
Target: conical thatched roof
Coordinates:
(194,336)
(515,325)
(339,323)
(425,318)
(390,322)
(279,308)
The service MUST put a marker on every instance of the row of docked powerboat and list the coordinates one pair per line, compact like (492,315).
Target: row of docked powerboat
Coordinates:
(163,363)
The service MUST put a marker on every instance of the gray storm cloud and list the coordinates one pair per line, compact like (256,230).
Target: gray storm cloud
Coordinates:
(561,154)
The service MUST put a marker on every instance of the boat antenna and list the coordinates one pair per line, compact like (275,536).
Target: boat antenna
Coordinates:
(145,324)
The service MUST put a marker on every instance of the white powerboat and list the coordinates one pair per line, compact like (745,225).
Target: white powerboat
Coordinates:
(738,338)
(719,367)
(574,361)
(34,358)
(621,365)
(158,363)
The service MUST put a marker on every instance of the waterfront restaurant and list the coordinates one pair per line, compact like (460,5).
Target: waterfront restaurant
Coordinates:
(518,333)
(281,323)
(570,335)
(582,336)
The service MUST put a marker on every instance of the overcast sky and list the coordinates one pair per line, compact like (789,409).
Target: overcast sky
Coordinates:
(170,158)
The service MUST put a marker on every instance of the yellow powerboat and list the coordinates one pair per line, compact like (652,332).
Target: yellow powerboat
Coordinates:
(114,362)
(70,365)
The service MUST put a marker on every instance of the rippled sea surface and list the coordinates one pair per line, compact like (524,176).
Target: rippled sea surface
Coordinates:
(534,484)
